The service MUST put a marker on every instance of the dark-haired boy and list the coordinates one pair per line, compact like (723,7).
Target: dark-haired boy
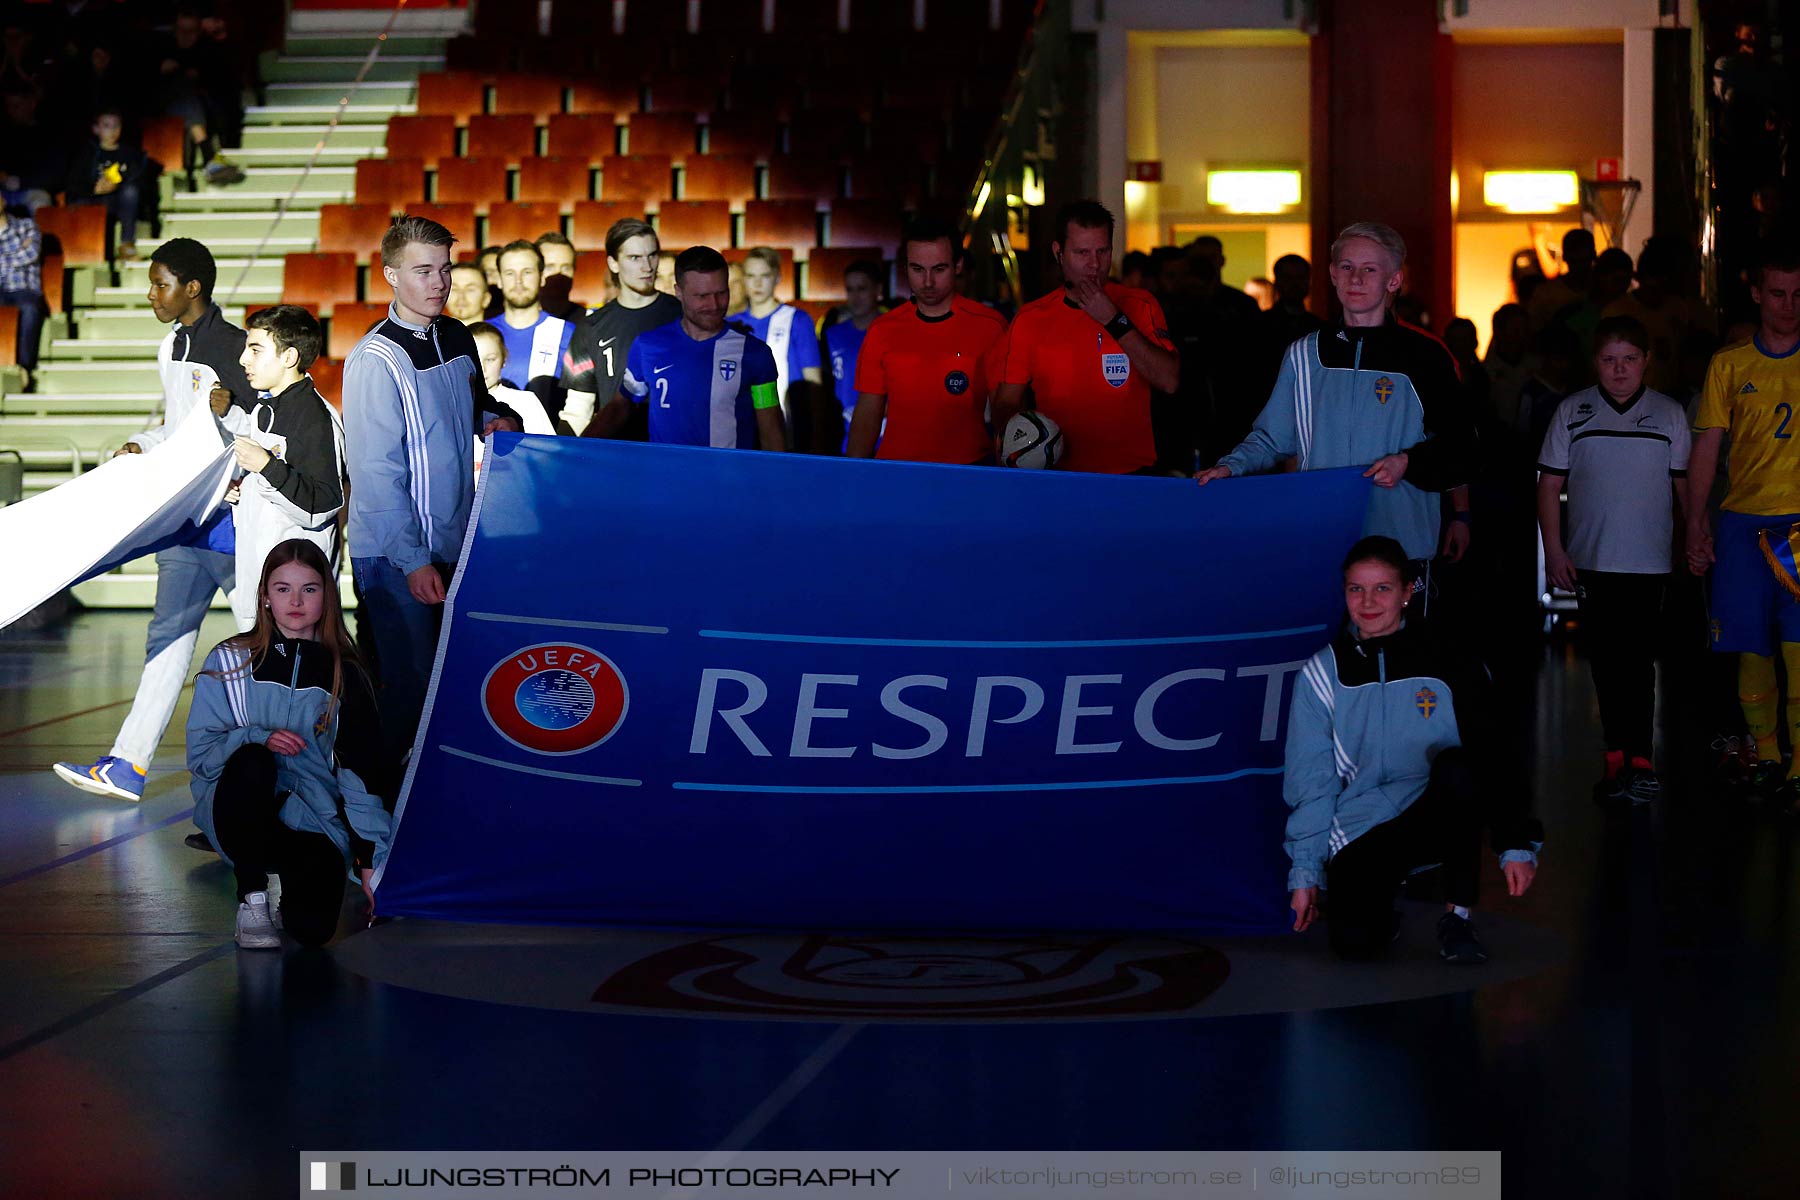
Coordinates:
(293,451)
(202,379)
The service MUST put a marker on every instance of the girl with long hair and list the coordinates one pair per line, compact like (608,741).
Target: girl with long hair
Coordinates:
(290,774)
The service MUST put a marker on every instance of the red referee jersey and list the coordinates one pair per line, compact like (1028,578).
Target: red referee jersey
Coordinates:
(934,373)
(1084,381)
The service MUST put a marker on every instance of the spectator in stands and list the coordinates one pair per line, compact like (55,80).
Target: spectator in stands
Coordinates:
(1621,450)
(558,253)
(311,803)
(1577,279)
(412,404)
(1368,384)
(863,288)
(491,348)
(1090,353)
(96,81)
(199,85)
(791,338)
(535,340)
(1413,710)
(468,297)
(926,369)
(114,174)
(602,340)
(706,382)
(735,278)
(33,163)
(22,282)
(202,378)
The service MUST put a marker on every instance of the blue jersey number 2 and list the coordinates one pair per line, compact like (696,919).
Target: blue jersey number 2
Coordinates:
(1787,414)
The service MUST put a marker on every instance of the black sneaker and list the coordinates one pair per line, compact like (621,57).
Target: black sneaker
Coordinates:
(1457,942)
(198,842)
(1642,786)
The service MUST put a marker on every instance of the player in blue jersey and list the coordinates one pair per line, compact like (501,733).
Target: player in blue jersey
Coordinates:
(843,341)
(790,336)
(706,383)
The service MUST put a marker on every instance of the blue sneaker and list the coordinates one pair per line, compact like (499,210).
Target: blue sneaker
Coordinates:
(110,776)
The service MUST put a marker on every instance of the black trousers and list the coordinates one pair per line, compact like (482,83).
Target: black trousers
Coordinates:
(247,823)
(1363,879)
(1622,625)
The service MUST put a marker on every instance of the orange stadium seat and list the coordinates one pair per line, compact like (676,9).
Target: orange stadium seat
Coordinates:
(604,95)
(825,270)
(328,376)
(832,134)
(426,138)
(52,271)
(9,335)
(866,223)
(477,181)
(395,182)
(793,224)
(818,310)
(907,136)
(527,222)
(535,96)
(377,290)
(80,232)
(636,177)
(696,91)
(563,181)
(667,133)
(896,181)
(842,95)
(756,133)
(353,227)
(165,142)
(794,178)
(348,324)
(324,279)
(459,94)
(592,136)
(594,217)
(684,223)
(727,177)
(459,219)
(511,137)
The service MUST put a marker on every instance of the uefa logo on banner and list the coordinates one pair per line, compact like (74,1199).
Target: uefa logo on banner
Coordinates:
(555,698)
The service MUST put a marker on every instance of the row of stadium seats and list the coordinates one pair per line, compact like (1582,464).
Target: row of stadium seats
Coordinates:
(835,135)
(463,93)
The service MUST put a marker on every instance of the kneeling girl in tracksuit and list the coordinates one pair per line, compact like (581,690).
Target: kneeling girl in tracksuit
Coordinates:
(1387,772)
(290,775)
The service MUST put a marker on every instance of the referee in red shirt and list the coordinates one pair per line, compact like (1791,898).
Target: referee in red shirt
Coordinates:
(1090,353)
(923,367)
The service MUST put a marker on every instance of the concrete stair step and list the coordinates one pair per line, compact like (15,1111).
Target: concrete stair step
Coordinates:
(137,322)
(343,44)
(77,404)
(330,94)
(91,349)
(263,272)
(254,295)
(281,178)
(291,114)
(296,156)
(262,200)
(50,443)
(361,135)
(318,68)
(211,227)
(91,378)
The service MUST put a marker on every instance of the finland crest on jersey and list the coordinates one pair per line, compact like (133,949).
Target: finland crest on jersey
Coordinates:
(728,369)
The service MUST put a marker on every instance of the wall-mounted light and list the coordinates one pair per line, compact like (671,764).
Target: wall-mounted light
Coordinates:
(1247,191)
(1034,187)
(1529,191)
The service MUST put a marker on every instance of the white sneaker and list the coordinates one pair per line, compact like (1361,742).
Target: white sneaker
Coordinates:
(274,891)
(255,931)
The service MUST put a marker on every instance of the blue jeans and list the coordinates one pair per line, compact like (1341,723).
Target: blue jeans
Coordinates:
(406,636)
(122,205)
(31,320)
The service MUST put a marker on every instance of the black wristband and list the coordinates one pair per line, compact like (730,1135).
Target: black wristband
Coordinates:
(1119,326)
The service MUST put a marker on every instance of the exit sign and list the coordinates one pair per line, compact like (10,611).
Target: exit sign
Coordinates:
(1606,169)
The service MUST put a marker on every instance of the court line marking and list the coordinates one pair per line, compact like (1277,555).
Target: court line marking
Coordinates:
(548,774)
(764,1113)
(123,996)
(67,717)
(97,847)
(1097,785)
(609,626)
(926,643)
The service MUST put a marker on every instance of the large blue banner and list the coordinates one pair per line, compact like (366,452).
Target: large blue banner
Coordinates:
(719,688)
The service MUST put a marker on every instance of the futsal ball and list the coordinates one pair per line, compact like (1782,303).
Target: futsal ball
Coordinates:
(1032,440)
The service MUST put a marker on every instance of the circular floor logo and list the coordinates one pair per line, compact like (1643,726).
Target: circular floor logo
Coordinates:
(555,698)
